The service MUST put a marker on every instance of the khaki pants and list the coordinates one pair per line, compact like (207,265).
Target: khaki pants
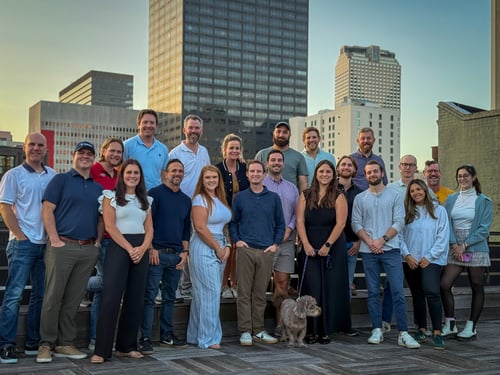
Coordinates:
(254,269)
(68,269)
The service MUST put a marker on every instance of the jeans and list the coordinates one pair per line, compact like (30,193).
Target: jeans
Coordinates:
(95,285)
(390,261)
(25,261)
(169,277)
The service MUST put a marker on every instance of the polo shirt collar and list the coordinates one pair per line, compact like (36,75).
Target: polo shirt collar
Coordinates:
(30,169)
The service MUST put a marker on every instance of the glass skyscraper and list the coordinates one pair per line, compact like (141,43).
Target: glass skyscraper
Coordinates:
(239,64)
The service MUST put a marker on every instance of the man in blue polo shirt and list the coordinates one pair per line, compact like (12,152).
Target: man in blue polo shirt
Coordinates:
(146,149)
(71,218)
(171,212)
(21,193)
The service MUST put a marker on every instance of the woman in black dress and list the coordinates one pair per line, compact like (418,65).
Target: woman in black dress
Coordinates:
(321,217)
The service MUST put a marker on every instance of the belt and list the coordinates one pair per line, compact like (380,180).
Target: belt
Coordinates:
(168,250)
(79,242)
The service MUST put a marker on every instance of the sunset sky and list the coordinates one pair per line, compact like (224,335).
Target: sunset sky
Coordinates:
(443,47)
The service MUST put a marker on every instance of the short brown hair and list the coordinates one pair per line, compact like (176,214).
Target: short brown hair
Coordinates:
(310,129)
(147,112)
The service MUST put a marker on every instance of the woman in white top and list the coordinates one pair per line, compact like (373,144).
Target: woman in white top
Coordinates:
(127,219)
(425,249)
(471,214)
(208,255)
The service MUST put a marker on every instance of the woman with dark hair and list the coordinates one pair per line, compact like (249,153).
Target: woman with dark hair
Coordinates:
(127,219)
(470,213)
(234,176)
(321,217)
(425,250)
(209,252)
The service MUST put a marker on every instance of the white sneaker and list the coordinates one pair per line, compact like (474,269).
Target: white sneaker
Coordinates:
(386,327)
(265,337)
(246,339)
(234,291)
(407,341)
(377,336)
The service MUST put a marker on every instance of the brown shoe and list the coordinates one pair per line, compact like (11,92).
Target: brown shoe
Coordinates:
(68,351)
(44,354)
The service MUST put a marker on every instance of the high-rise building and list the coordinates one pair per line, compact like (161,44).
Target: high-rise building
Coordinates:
(100,88)
(368,74)
(240,64)
(65,124)
(495,54)
(367,94)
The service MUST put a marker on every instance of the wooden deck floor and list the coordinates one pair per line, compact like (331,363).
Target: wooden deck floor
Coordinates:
(345,355)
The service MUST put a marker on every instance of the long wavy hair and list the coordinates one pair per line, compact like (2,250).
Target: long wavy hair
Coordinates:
(411,206)
(332,191)
(140,190)
(220,192)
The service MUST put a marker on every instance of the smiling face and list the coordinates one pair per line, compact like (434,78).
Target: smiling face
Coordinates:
(113,154)
(417,193)
(311,140)
(365,142)
(35,149)
(233,150)
(174,175)
(465,179)
(373,174)
(432,175)
(275,163)
(407,167)
(193,131)
(210,181)
(131,177)
(255,173)
(325,174)
(83,159)
(345,168)
(147,126)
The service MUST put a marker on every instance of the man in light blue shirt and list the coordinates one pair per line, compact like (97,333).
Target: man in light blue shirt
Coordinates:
(146,149)
(312,153)
(377,219)
(21,191)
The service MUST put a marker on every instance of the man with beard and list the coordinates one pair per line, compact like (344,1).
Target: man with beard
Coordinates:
(432,174)
(346,170)
(363,155)
(194,157)
(295,169)
(171,213)
(146,149)
(377,218)
(312,153)
(284,259)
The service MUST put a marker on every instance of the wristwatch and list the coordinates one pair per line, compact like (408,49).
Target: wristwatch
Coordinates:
(328,244)
(386,238)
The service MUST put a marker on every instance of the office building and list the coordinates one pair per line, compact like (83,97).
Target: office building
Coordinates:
(368,74)
(240,64)
(65,124)
(100,88)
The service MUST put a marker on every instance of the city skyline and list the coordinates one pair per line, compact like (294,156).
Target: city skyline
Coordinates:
(443,48)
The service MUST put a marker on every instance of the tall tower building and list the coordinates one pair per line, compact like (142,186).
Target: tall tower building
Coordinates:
(495,55)
(368,74)
(100,88)
(240,64)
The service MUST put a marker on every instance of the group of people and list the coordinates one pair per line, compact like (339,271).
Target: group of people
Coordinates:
(152,222)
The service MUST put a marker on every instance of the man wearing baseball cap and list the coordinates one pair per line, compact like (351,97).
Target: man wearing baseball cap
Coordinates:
(295,169)
(71,218)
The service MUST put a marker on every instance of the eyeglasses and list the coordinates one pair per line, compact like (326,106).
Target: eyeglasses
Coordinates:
(407,165)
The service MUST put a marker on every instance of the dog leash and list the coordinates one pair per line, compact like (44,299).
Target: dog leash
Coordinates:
(302,278)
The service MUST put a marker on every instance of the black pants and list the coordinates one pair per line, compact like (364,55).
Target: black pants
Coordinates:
(424,285)
(121,278)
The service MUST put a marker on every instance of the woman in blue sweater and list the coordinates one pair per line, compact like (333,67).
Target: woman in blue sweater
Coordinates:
(425,250)
(470,213)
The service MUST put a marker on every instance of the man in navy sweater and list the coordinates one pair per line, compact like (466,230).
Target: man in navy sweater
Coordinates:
(257,229)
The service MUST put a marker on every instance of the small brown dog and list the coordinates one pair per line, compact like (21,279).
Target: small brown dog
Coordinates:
(293,319)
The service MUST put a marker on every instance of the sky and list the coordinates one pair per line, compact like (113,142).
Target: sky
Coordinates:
(443,47)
